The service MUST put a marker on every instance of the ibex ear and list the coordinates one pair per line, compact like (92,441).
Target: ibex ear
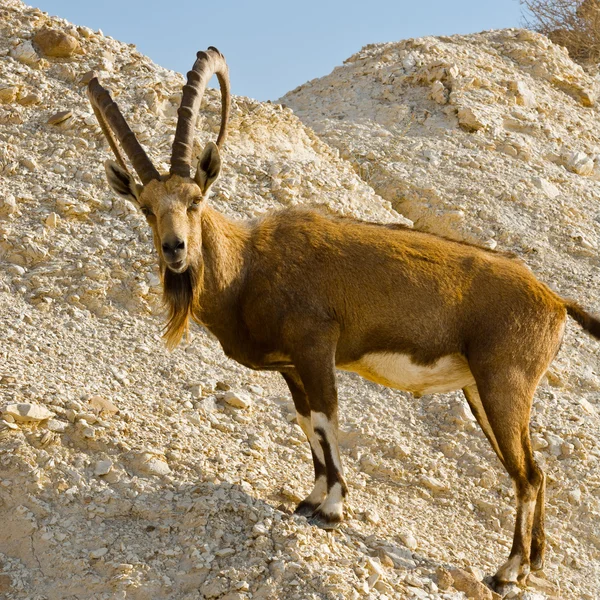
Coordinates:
(122,182)
(209,167)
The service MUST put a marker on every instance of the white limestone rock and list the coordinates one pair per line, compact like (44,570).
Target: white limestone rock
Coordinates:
(27,412)
(469,119)
(551,190)
(25,53)
(579,162)
(103,467)
(238,399)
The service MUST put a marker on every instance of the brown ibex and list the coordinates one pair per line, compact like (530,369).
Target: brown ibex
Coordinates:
(302,293)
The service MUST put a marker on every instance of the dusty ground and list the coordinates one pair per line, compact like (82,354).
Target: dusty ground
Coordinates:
(145,483)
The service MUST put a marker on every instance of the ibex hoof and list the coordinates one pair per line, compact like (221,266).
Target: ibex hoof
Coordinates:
(537,563)
(325,521)
(306,509)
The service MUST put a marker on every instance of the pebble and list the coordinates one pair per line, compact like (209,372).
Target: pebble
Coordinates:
(555,444)
(25,53)
(52,220)
(152,465)
(16,270)
(525,97)
(579,162)
(102,405)
(439,93)
(588,407)
(57,426)
(433,484)
(444,579)
(29,163)
(574,496)
(372,516)
(60,117)
(260,529)
(8,205)
(88,432)
(86,77)
(8,94)
(103,467)
(409,540)
(546,186)
(98,553)
(238,399)
(30,99)
(469,119)
(472,588)
(196,391)
(543,585)
(374,566)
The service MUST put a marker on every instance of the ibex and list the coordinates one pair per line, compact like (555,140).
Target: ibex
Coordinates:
(302,293)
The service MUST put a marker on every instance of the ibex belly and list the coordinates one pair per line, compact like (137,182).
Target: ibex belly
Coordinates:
(398,371)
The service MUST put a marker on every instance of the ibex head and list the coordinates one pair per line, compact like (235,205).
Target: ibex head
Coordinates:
(171,203)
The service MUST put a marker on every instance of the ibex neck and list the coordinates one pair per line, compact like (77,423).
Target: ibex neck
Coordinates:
(223,250)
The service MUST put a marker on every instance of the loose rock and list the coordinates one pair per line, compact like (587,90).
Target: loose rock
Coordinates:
(238,399)
(60,117)
(26,412)
(56,44)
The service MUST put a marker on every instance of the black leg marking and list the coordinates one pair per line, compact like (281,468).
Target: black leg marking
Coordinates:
(307,507)
(333,474)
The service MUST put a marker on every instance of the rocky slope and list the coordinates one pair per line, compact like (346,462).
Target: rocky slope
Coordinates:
(164,475)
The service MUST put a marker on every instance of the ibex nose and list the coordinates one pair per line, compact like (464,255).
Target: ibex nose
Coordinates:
(173,247)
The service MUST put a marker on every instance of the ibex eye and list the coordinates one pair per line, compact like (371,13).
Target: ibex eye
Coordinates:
(146,211)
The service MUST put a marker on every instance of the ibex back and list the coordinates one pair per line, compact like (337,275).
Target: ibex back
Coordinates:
(302,293)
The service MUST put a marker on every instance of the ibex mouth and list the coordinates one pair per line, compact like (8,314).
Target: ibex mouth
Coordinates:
(177,267)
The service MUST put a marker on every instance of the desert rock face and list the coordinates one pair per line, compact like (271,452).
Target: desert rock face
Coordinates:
(130,472)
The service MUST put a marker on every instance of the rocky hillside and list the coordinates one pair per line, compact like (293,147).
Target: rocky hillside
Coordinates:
(130,472)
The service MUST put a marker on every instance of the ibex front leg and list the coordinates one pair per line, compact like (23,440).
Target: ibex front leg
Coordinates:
(316,369)
(309,505)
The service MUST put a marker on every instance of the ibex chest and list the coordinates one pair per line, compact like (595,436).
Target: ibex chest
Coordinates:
(398,371)
(239,346)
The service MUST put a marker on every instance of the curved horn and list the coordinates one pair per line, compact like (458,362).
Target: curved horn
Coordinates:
(207,64)
(108,114)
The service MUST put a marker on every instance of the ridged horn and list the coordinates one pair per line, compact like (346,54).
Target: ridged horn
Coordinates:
(207,64)
(113,124)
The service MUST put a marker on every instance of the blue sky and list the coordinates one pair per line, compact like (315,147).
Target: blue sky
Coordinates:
(272,47)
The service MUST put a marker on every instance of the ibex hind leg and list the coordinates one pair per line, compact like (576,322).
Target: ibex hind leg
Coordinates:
(507,409)
(538,535)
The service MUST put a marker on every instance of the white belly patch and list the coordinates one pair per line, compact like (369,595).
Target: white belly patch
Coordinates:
(398,371)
